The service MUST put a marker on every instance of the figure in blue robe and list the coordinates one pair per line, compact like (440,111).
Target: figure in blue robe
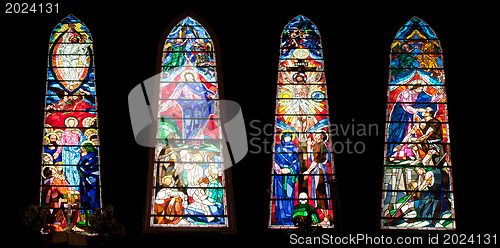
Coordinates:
(285,157)
(399,120)
(89,177)
(434,202)
(195,113)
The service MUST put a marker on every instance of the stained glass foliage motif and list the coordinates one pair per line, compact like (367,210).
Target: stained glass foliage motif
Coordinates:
(189,179)
(302,172)
(70,164)
(417,185)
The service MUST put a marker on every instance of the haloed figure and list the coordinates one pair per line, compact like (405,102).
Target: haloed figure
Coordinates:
(286,161)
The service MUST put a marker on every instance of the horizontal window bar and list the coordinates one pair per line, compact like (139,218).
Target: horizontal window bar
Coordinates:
(418,191)
(179,118)
(70,145)
(63,165)
(305,69)
(421,39)
(282,175)
(190,66)
(312,115)
(419,103)
(183,140)
(298,199)
(301,153)
(443,122)
(415,218)
(190,51)
(91,95)
(420,68)
(189,162)
(93,109)
(189,187)
(185,215)
(318,49)
(424,142)
(70,186)
(299,59)
(187,38)
(64,42)
(296,132)
(68,54)
(193,140)
(187,100)
(420,53)
(96,128)
(184,82)
(49,66)
(293,98)
(72,208)
(297,84)
(72,80)
(401,166)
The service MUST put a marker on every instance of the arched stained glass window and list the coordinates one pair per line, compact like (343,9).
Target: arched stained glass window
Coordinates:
(418,186)
(70,174)
(188,186)
(302,171)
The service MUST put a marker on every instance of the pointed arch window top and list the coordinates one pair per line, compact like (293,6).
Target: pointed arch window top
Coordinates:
(300,39)
(189,28)
(71,24)
(416,29)
(189,49)
(301,22)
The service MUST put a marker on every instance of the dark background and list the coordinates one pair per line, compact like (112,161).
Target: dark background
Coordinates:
(356,41)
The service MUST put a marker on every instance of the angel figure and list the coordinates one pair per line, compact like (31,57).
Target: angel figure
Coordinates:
(203,55)
(174,52)
(174,55)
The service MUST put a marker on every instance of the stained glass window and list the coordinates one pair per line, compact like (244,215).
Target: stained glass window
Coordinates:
(302,173)
(188,178)
(70,179)
(418,185)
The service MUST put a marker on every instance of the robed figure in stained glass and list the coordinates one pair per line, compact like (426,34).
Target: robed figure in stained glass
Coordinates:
(188,183)
(70,159)
(302,170)
(418,185)
(411,103)
(286,161)
(195,114)
(69,149)
(320,185)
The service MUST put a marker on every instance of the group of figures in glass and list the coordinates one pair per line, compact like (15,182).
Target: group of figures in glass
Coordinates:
(188,170)
(189,181)
(70,157)
(417,189)
(302,169)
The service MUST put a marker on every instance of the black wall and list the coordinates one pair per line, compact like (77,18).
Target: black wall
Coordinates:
(356,40)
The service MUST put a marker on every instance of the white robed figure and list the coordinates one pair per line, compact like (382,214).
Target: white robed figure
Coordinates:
(73,55)
(70,150)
